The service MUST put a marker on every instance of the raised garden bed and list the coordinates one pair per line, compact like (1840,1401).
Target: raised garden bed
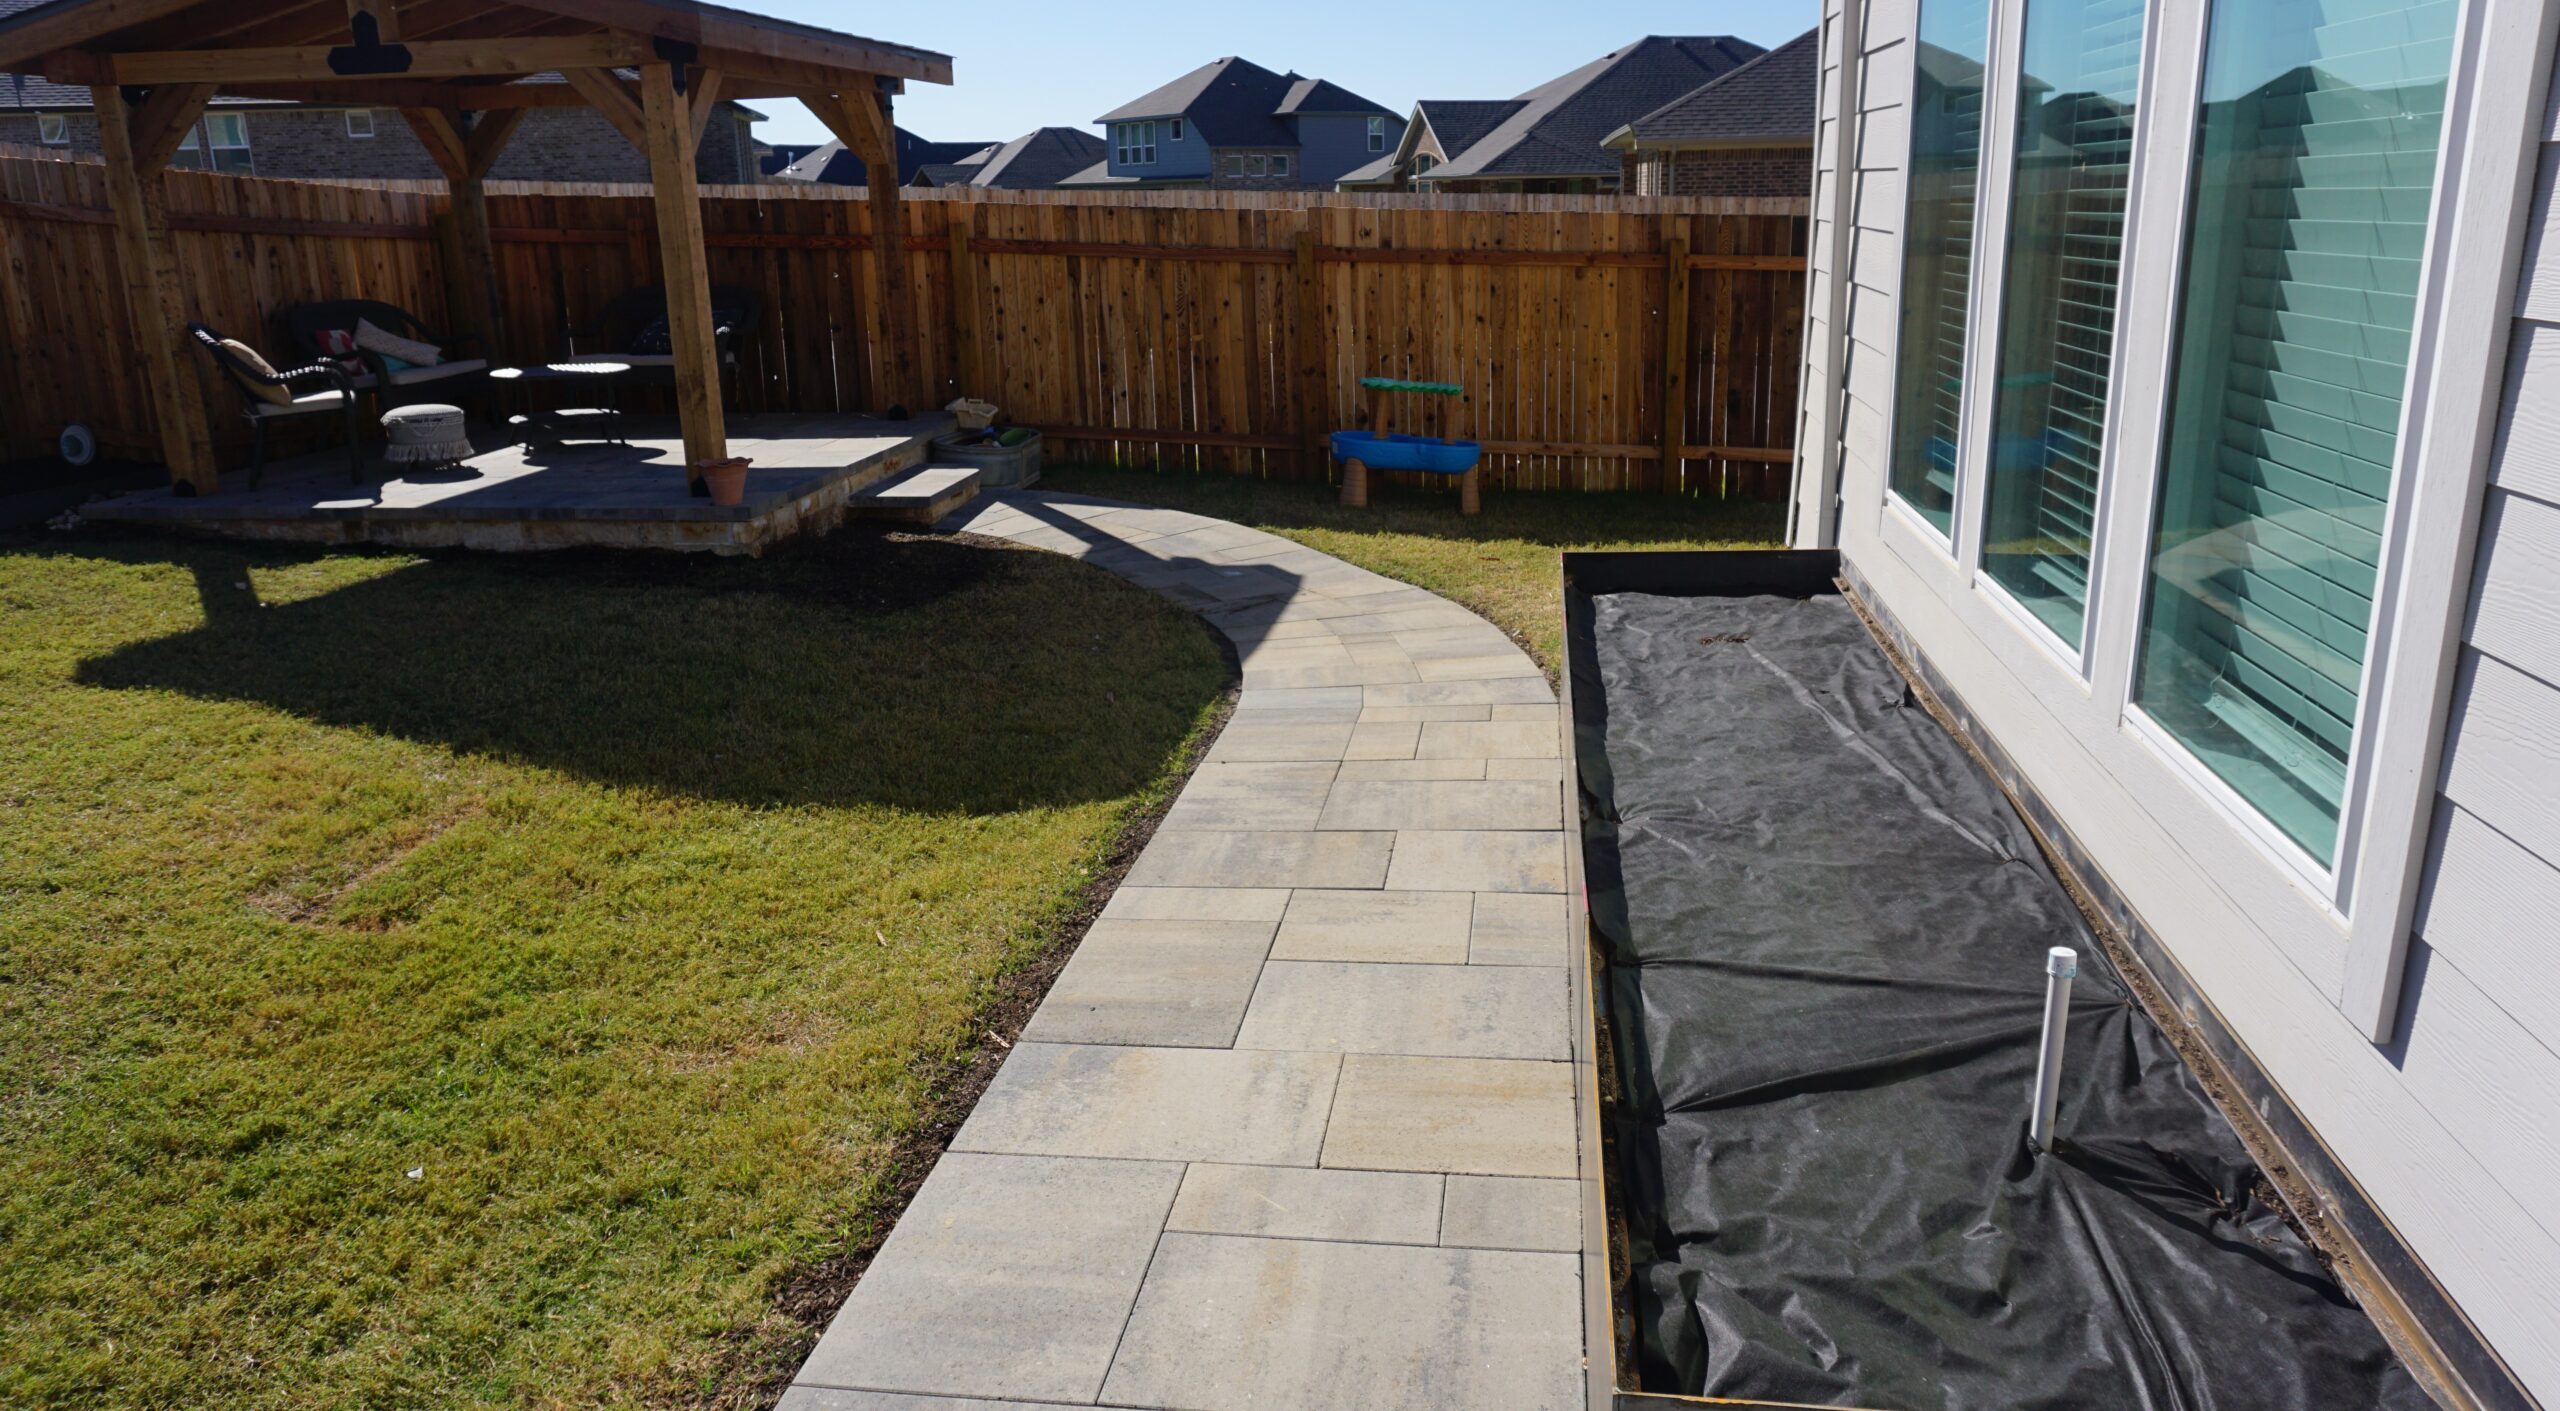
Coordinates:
(1815,976)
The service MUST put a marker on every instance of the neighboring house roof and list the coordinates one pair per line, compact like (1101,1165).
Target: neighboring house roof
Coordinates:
(1037,160)
(1381,172)
(832,164)
(1099,174)
(1767,101)
(1240,103)
(1556,128)
(1460,123)
(1317,95)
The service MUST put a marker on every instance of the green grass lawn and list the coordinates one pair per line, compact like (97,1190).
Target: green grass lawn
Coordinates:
(464,981)
(1501,563)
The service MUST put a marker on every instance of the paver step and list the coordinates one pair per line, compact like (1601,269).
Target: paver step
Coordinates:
(919,496)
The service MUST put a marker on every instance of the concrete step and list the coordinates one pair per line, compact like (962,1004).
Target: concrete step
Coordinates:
(919,496)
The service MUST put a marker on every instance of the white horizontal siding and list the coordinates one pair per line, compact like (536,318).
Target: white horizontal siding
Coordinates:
(2454,1129)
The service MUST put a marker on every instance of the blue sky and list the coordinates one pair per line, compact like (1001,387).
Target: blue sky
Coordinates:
(1021,65)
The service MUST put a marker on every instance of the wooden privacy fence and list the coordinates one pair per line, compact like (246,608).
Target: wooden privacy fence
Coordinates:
(1604,343)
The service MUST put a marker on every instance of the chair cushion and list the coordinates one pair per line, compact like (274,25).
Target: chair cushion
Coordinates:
(459,367)
(392,345)
(274,393)
(329,401)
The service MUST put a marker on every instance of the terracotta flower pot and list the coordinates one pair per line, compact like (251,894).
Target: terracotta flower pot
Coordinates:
(727,479)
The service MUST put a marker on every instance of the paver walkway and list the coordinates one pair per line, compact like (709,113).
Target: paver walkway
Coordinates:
(1294,1131)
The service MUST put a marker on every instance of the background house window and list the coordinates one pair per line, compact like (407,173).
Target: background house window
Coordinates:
(2076,82)
(2315,162)
(360,122)
(1279,164)
(1173,130)
(53,129)
(229,133)
(1256,164)
(1937,255)
(1232,164)
(1377,134)
(1423,162)
(1134,143)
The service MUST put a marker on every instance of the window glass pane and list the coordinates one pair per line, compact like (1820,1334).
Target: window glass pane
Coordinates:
(1937,254)
(2077,74)
(2315,153)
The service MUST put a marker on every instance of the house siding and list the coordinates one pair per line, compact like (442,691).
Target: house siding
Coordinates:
(1186,158)
(2452,1129)
(553,144)
(1331,144)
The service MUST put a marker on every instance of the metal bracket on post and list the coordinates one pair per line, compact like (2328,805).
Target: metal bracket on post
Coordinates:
(679,55)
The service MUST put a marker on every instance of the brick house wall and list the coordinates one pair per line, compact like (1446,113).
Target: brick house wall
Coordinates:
(553,144)
(1220,177)
(1724,171)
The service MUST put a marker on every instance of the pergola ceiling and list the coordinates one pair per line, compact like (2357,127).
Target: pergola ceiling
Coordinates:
(449,53)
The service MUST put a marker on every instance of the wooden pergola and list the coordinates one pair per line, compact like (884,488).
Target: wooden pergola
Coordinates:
(458,71)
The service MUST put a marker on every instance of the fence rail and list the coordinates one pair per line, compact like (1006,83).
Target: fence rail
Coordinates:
(1603,344)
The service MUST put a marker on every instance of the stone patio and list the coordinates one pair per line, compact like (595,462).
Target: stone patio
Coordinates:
(1294,1131)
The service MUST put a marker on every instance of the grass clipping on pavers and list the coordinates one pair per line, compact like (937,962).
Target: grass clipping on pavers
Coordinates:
(474,981)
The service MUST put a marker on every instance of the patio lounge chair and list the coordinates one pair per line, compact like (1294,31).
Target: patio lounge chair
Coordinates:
(453,379)
(633,329)
(336,396)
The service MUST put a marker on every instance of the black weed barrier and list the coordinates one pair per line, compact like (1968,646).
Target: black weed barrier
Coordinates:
(1823,928)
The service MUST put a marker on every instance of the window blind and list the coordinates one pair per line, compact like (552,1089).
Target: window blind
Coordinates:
(1937,254)
(2079,69)
(2317,150)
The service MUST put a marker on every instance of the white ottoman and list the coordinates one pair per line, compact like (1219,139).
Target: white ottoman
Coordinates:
(426,434)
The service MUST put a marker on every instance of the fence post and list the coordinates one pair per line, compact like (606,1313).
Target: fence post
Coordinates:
(1312,391)
(1675,361)
(959,217)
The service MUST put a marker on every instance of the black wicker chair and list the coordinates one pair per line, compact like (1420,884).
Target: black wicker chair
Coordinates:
(633,329)
(464,374)
(338,395)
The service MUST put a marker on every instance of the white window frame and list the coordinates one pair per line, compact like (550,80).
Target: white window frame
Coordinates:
(2345,920)
(1134,143)
(362,133)
(1173,130)
(53,129)
(1257,164)
(1993,215)
(1377,133)
(1940,554)
(1231,163)
(1279,164)
(2368,886)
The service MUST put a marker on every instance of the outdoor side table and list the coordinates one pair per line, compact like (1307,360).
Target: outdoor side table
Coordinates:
(558,425)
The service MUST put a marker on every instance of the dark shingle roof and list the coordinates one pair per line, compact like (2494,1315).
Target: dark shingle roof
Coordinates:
(1317,95)
(1231,102)
(837,167)
(1039,159)
(1460,123)
(1770,99)
(1558,126)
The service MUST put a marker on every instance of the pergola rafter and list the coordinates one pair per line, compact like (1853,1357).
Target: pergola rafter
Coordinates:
(463,74)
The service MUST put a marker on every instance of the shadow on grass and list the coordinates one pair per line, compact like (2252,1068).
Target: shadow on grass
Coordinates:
(1427,506)
(925,674)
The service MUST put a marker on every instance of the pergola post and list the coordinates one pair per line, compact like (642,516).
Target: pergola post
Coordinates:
(669,129)
(139,138)
(861,119)
(465,158)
